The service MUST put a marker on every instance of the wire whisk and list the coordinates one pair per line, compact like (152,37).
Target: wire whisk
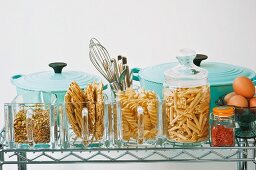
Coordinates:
(117,74)
(100,58)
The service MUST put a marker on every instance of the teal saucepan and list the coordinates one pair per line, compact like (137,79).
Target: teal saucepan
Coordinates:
(221,76)
(34,87)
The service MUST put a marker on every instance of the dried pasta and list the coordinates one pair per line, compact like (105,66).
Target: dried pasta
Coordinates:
(187,114)
(130,100)
(91,98)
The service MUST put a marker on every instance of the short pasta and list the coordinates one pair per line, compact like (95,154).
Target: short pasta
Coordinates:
(187,114)
(130,100)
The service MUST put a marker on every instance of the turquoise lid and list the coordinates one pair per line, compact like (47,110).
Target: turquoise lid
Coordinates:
(218,73)
(50,81)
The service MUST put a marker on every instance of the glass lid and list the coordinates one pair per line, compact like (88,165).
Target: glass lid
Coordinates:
(186,70)
(53,81)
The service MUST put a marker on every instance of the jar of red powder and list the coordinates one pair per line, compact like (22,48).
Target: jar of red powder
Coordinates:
(223,126)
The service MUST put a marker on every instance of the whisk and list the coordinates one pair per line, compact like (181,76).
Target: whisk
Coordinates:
(101,60)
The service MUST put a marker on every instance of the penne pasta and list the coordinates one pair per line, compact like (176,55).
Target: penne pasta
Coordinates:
(187,114)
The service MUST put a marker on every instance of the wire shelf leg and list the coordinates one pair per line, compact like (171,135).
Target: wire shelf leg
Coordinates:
(1,157)
(20,158)
(242,165)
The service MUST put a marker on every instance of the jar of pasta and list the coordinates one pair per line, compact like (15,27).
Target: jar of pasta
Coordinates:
(186,101)
(84,117)
(138,117)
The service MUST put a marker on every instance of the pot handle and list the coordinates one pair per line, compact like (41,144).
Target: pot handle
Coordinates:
(254,81)
(199,58)
(105,87)
(135,73)
(57,66)
(15,77)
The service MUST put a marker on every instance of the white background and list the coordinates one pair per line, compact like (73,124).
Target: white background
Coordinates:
(35,33)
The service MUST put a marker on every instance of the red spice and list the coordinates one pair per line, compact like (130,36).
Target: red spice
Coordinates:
(222,136)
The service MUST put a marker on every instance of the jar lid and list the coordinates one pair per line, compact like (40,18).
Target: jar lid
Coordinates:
(186,71)
(50,81)
(223,111)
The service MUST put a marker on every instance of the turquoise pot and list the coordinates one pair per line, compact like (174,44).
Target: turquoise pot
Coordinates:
(220,76)
(34,87)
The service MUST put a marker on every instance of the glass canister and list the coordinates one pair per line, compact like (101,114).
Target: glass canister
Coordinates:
(223,126)
(30,125)
(138,117)
(84,117)
(84,125)
(186,101)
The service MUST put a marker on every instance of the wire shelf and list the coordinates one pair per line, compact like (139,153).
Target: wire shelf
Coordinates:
(243,152)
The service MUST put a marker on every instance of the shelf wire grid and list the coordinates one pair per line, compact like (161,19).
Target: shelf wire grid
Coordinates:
(165,153)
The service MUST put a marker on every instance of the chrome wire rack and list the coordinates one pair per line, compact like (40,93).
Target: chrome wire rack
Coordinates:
(242,153)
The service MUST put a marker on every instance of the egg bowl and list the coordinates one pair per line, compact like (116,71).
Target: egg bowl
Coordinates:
(245,120)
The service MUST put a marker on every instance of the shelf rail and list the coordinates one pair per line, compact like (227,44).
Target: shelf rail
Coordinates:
(242,153)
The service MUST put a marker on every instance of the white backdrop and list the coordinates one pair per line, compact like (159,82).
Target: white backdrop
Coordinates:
(35,33)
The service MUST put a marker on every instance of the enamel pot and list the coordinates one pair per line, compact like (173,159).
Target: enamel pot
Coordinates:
(220,75)
(36,87)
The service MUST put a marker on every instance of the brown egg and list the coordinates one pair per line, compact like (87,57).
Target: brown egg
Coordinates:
(228,96)
(238,100)
(244,87)
(252,102)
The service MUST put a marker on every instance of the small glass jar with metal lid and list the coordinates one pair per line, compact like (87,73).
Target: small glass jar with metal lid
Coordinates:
(223,126)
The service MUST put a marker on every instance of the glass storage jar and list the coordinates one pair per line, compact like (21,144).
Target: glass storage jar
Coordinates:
(186,105)
(137,117)
(85,120)
(31,125)
(223,126)
(85,125)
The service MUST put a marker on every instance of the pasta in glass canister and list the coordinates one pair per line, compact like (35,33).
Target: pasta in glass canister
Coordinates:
(85,114)
(139,112)
(187,114)
(186,101)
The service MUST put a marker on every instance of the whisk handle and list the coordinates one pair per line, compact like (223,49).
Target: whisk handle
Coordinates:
(57,66)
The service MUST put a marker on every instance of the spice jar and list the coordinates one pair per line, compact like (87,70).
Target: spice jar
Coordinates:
(186,101)
(223,126)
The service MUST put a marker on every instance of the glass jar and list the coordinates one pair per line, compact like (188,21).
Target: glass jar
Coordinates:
(84,125)
(31,125)
(85,120)
(223,126)
(137,117)
(186,105)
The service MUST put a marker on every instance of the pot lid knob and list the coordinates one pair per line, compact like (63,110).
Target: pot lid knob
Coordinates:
(58,66)
(199,58)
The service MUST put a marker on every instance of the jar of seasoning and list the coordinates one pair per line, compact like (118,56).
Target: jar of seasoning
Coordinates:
(223,126)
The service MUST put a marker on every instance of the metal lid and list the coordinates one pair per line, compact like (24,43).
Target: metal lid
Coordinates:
(218,73)
(53,81)
(223,111)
